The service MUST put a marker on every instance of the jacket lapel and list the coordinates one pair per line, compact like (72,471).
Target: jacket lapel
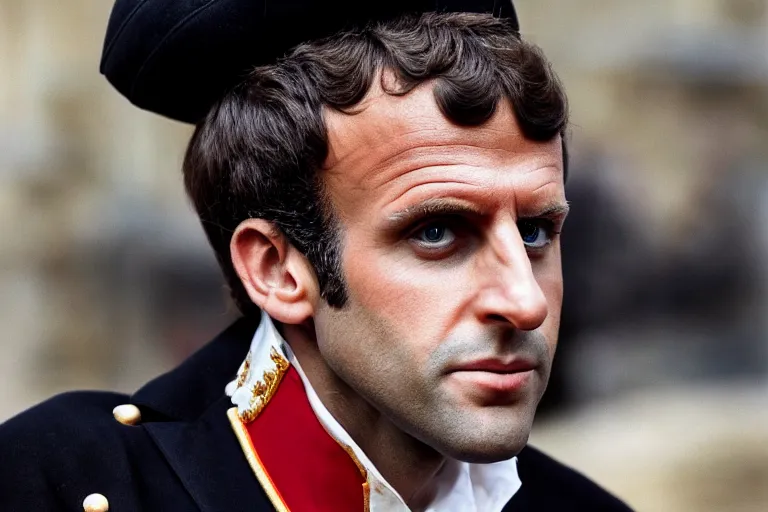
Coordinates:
(206,456)
(185,414)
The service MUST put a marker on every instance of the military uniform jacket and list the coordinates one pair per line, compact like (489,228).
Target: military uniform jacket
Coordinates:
(184,455)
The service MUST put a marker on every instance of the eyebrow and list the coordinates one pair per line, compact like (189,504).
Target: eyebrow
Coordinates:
(449,206)
(552,210)
(433,207)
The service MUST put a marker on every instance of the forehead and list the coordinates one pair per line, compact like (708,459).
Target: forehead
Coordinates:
(392,143)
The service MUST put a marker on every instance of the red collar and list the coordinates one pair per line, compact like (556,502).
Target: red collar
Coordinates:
(299,465)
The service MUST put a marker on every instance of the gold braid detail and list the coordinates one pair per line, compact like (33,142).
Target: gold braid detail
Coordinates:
(264,390)
(244,374)
(255,462)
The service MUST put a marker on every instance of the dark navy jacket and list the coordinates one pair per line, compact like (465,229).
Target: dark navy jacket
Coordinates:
(184,455)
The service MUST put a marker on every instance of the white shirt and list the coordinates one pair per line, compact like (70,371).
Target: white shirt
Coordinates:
(460,486)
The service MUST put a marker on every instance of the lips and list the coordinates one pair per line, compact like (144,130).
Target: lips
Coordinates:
(495,376)
(496,366)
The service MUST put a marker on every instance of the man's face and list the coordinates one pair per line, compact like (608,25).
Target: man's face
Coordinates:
(452,263)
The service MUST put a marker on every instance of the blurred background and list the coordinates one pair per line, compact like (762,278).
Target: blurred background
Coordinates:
(660,390)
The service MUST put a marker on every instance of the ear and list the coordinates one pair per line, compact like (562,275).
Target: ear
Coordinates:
(277,277)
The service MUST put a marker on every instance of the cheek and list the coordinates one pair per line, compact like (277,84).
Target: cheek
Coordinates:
(421,301)
(372,357)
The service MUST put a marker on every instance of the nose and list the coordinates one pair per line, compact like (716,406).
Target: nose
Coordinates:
(511,293)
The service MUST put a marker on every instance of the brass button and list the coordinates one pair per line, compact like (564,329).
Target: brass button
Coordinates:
(95,503)
(127,414)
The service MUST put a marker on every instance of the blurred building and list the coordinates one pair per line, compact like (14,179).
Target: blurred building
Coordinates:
(662,378)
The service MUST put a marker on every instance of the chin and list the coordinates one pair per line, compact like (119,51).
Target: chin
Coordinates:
(485,446)
(489,453)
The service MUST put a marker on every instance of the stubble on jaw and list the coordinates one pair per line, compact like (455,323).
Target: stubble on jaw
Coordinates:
(415,409)
(354,398)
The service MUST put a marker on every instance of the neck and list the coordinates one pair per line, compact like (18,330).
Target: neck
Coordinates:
(407,464)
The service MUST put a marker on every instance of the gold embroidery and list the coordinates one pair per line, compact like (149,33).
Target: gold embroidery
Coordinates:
(255,462)
(366,497)
(352,456)
(264,390)
(244,374)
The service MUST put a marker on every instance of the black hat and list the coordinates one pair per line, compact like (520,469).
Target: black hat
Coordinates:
(177,57)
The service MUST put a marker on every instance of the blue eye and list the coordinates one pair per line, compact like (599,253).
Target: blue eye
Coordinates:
(534,233)
(435,236)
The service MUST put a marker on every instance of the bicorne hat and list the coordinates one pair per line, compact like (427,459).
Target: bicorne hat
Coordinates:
(177,57)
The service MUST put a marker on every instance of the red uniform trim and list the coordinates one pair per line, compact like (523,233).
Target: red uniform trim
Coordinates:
(307,469)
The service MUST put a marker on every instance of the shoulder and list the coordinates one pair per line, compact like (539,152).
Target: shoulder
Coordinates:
(50,422)
(551,485)
(61,421)
(56,451)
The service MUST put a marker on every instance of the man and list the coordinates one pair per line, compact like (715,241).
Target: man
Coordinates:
(385,201)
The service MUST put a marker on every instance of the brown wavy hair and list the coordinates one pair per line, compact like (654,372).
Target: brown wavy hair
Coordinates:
(259,152)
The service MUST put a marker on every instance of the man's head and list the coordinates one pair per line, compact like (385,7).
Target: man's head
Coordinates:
(398,191)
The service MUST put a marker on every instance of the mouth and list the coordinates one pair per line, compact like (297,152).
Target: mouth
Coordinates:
(495,375)
(515,365)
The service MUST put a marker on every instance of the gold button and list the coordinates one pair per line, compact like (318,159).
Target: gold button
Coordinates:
(127,414)
(95,503)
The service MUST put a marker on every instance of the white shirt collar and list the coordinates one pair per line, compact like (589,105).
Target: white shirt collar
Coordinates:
(460,486)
